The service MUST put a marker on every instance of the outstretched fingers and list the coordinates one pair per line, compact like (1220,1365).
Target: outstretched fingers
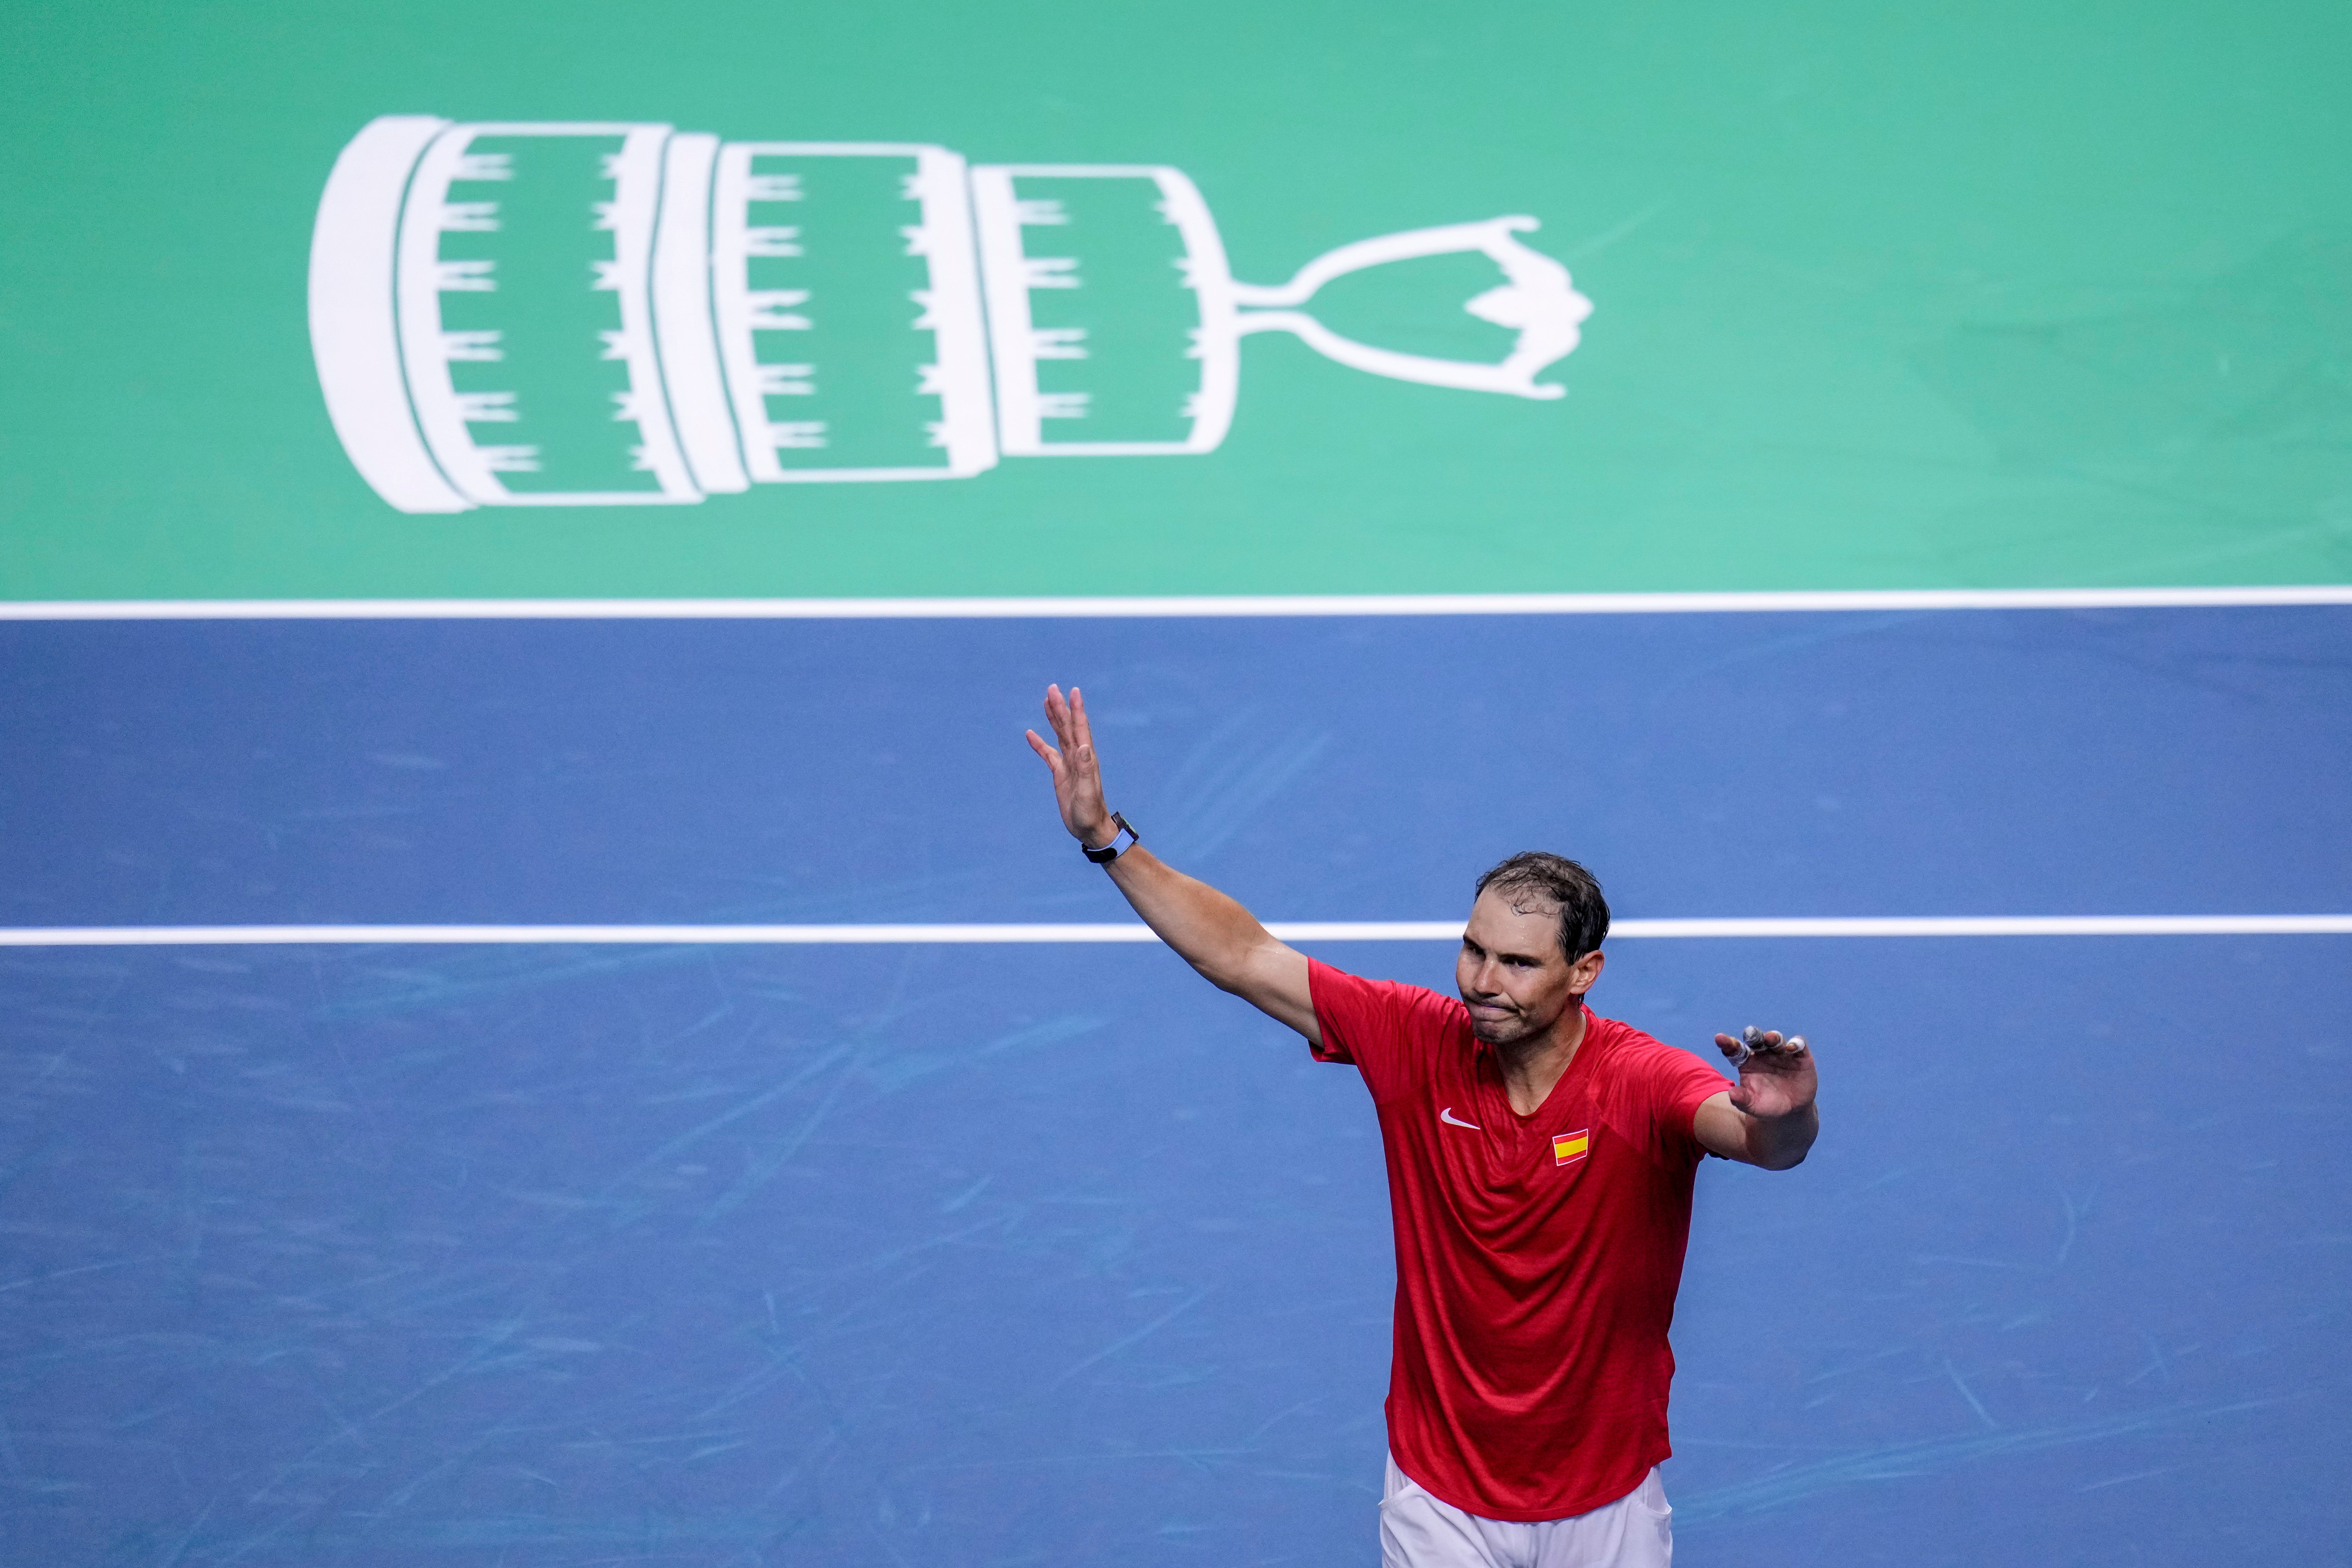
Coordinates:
(1752,1043)
(1068,717)
(1057,714)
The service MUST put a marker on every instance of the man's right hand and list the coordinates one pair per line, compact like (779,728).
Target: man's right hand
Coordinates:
(1077,772)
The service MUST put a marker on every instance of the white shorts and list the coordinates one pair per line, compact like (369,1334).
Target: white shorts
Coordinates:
(1419,1532)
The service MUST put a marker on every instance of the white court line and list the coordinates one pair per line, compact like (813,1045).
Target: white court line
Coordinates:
(1194,606)
(1127,931)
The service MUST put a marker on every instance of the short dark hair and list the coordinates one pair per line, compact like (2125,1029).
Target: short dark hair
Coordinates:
(1583,913)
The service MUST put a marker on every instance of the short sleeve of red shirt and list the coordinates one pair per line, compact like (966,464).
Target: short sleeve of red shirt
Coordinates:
(1662,1090)
(1381,1027)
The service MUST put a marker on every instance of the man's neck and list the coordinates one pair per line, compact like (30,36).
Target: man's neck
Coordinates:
(1532,1068)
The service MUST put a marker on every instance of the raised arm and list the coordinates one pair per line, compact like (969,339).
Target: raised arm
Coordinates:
(1209,929)
(1769,1119)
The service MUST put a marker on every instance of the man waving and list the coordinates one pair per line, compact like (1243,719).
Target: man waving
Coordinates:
(1540,1161)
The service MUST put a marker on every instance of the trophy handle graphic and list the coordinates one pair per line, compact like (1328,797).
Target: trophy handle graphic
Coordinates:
(1538,300)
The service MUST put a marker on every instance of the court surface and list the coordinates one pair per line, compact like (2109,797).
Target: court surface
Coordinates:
(1050,1254)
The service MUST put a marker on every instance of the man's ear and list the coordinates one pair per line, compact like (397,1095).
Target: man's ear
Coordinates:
(1585,971)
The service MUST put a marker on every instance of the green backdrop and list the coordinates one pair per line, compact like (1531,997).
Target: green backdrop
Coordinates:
(1886,296)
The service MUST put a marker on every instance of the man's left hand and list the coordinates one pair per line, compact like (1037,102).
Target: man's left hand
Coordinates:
(1769,1118)
(1776,1073)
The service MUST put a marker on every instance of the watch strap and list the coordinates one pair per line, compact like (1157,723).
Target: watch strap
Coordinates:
(1113,849)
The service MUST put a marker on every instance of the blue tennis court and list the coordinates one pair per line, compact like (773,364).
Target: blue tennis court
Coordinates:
(1047,1253)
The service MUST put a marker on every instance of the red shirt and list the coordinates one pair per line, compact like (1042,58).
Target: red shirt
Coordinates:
(1537,1255)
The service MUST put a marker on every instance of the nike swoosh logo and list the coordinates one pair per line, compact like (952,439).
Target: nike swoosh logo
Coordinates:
(1448,1117)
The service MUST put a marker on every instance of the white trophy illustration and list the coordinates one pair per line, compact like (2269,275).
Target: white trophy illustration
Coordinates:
(612,314)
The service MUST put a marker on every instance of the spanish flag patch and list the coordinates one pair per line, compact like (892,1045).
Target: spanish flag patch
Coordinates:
(1568,1148)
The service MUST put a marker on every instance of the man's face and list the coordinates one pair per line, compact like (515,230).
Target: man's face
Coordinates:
(1512,976)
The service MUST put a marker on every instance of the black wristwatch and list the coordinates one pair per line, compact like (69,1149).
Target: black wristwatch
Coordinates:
(1113,849)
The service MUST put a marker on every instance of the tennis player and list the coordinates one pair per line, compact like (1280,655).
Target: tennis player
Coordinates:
(1540,1161)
